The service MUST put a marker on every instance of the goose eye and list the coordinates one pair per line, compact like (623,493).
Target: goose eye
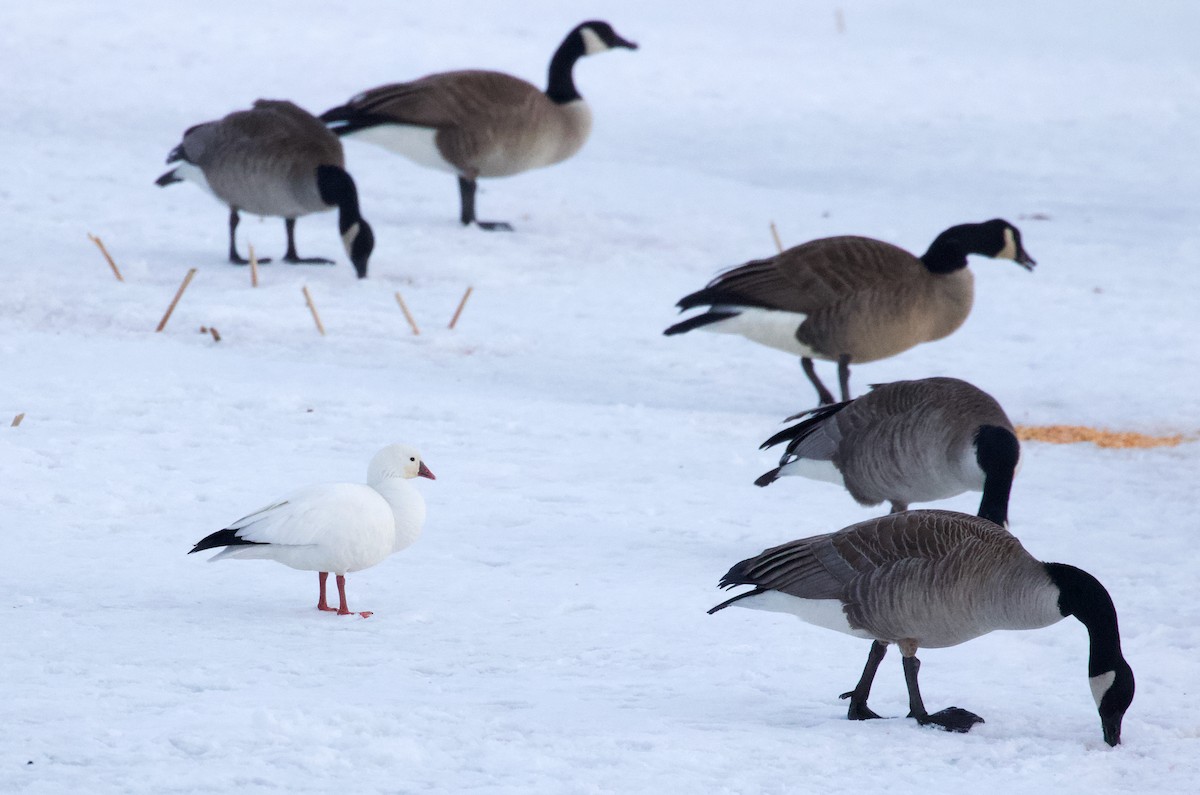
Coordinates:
(410,458)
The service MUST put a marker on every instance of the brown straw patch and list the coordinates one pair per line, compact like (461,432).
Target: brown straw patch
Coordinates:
(1070,434)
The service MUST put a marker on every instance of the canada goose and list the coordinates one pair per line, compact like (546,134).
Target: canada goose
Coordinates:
(932,579)
(275,159)
(338,527)
(477,123)
(851,299)
(908,441)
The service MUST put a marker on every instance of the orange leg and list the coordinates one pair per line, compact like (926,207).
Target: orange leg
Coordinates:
(343,609)
(321,603)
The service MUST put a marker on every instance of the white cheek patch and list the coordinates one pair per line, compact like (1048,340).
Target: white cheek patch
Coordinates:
(348,237)
(1100,685)
(592,43)
(1010,246)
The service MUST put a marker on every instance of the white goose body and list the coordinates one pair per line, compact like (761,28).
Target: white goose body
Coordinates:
(335,527)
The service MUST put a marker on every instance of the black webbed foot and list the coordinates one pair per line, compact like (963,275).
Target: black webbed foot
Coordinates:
(307,260)
(237,259)
(495,226)
(951,719)
(858,709)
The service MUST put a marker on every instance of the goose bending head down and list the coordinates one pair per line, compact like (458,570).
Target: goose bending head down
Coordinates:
(334,527)
(275,159)
(851,299)
(905,442)
(934,579)
(477,123)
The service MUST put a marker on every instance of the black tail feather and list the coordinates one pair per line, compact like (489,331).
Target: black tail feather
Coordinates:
(344,120)
(698,321)
(167,179)
(767,478)
(798,432)
(222,538)
(737,598)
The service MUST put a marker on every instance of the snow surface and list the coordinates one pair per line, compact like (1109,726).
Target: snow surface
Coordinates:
(547,634)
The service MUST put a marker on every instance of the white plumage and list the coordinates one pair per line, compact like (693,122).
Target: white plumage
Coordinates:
(335,527)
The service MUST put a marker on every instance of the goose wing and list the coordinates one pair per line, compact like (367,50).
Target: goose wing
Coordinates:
(809,277)
(318,515)
(830,566)
(473,98)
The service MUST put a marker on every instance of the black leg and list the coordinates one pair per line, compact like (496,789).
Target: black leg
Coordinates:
(899,507)
(844,375)
(233,225)
(291,256)
(823,394)
(951,719)
(466,193)
(858,696)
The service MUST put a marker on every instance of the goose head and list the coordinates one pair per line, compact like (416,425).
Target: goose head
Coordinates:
(996,238)
(1009,239)
(599,36)
(397,462)
(359,241)
(1113,691)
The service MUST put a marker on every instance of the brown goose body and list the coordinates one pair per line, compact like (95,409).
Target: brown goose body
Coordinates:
(483,124)
(477,123)
(263,160)
(275,159)
(934,579)
(851,299)
(907,441)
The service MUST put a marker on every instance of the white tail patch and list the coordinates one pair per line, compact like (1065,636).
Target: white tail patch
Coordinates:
(1100,685)
(774,328)
(192,173)
(814,470)
(827,613)
(418,144)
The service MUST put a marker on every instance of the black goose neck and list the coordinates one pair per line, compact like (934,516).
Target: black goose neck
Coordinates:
(337,189)
(997,452)
(1081,595)
(947,253)
(561,85)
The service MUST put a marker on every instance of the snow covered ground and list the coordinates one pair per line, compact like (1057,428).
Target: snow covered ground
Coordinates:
(548,632)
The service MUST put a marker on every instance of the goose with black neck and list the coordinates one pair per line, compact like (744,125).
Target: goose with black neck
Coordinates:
(851,299)
(478,123)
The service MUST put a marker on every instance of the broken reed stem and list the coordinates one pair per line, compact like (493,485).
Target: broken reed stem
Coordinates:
(775,234)
(215,335)
(407,315)
(178,294)
(461,304)
(313,308)
(17,419)
(100,245)
(253,267)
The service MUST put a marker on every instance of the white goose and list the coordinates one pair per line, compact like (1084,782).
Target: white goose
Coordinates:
(335,527)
